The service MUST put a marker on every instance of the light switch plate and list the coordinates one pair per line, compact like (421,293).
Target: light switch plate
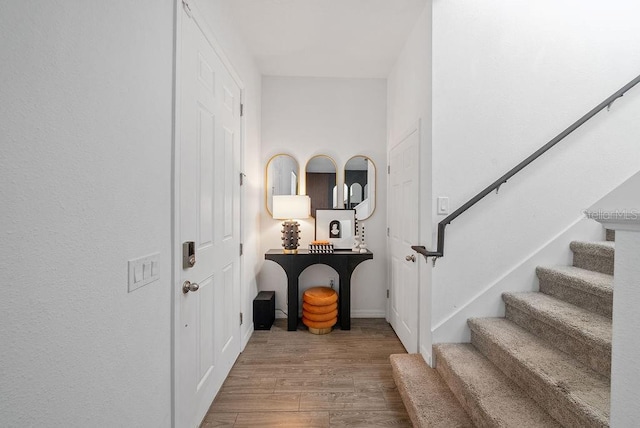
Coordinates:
(443,205)
(143,271)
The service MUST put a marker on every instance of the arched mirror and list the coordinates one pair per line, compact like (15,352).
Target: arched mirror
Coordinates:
(320,176)
(360,186)
(282,177)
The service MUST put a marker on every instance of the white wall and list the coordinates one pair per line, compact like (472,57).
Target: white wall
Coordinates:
(221,22)
(85,167)
(85,173)
(409,101)
(340,118)
(507,77)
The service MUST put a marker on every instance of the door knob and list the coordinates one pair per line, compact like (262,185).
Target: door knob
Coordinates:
(411,258)
(189,286)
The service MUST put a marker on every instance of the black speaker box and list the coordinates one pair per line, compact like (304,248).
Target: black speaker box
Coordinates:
(264,310)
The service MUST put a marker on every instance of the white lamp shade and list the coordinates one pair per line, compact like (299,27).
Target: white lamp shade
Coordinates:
(291,206)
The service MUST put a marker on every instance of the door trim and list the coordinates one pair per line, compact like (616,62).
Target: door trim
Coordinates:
(176,245)
(415,126)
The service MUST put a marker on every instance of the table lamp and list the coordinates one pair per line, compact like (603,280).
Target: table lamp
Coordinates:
(290,208)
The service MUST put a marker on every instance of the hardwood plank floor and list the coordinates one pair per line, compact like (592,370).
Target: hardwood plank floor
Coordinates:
(297,379)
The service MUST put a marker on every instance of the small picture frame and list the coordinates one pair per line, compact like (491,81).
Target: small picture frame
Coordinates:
(337,227)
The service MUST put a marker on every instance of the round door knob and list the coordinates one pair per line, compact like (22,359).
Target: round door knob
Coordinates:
(411,258)
(189,286)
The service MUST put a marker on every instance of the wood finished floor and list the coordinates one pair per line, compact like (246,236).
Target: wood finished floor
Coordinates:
(297,379)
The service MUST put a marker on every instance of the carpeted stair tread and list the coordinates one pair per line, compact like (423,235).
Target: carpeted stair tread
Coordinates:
(573,320)
(585,288)
(600,248)
(425,395)
(595,255)
(579,332)
(569,391)
(597,283)
(485,392)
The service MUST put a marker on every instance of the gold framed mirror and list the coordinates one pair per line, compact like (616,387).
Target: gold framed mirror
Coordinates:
(282,177)
(321,183)
(360,186)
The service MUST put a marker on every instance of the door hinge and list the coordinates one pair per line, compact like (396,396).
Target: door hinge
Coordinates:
(241,320)
(242,176)
(187,8)
(388,232)
(241,109)
(241,248)
(388,169)
(387,294)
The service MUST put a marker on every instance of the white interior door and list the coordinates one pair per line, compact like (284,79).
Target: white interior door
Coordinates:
(403,233)
(207,320)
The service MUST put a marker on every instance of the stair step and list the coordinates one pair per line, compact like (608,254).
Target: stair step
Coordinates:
(610,234)
(485,392)
(578,332)
(596,256)
(585,288)
(428,400)
(573,394)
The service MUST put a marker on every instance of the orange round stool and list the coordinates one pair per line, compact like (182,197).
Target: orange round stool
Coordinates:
(321,317)
(311,309)
(320,309)
(320,296)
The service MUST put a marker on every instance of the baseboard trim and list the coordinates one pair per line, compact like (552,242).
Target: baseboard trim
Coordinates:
(427,355)
(368,313)
(358,313)
(245,338)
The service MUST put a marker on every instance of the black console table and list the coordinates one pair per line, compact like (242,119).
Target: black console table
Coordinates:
(344,262)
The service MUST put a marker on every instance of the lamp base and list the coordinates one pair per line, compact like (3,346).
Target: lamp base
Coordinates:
(290,236)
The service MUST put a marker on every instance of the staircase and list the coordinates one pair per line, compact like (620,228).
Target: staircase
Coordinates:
(546,364)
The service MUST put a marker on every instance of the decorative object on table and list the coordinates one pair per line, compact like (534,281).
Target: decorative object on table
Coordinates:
(291,208)
(337,227)
(320,247)
(356,239)
(363,246)
(320,309)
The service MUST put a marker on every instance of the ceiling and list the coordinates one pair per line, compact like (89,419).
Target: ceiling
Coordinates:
(326,38)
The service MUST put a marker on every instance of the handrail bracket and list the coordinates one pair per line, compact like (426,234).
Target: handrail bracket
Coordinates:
(613,101)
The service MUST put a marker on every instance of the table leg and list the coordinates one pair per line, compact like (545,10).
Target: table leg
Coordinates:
(292,307)
(345,301)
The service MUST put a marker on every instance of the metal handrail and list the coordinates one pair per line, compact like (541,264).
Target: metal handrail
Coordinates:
(500,181)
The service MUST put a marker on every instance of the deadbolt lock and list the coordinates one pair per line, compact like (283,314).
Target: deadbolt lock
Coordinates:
(188,254)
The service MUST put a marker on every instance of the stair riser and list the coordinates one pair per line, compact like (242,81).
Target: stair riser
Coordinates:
(593,355)
(596,263)
(425,395)
(477,414)
(602,305)
(550,397)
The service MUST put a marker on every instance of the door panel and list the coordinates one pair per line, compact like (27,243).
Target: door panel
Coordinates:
(208,327)
(205,142)
(229,182)
(403,233)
